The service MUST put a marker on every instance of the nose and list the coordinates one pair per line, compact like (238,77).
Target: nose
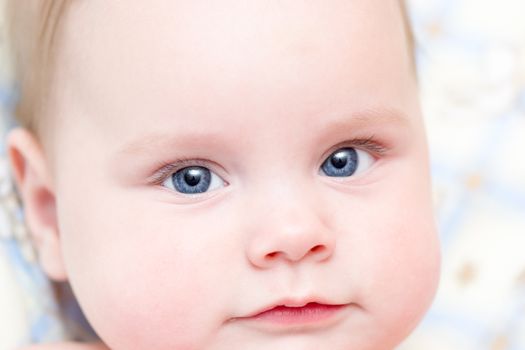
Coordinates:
(290,235)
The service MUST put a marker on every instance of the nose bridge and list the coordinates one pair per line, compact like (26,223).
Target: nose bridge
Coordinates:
(289,226)
(287,199)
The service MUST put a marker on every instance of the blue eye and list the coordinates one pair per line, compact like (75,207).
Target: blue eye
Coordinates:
(193,180)
(346,162)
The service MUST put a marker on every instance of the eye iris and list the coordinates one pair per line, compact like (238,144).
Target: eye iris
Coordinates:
(192,180)
(342,163)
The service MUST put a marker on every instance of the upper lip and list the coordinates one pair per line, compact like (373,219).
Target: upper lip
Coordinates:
(291,302)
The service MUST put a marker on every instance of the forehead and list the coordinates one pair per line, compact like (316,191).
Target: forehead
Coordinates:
(193,57)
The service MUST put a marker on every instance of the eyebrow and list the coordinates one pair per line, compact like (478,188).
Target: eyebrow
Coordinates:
(154,141)
(371,116)
(215,138)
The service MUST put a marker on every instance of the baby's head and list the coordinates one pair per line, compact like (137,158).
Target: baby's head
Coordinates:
(193,164)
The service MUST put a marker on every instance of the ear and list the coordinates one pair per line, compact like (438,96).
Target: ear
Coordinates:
(34,182)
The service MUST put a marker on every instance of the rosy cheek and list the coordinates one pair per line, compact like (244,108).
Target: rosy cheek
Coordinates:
(406,274)
(158,286)
(140,307)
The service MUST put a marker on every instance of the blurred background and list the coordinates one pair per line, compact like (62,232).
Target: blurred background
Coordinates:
(471,58)
(471,63)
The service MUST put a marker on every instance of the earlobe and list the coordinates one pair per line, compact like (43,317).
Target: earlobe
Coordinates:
(50,256)
(33,180)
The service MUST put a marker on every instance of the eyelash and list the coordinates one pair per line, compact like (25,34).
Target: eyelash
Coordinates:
(167,169)
(368,144)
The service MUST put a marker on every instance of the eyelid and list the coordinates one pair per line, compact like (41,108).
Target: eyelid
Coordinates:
(167,169)
(368,144)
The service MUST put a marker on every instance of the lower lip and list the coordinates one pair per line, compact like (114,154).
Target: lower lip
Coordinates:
(309,314)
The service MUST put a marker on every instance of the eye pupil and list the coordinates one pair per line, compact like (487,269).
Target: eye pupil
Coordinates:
(192,177)
(339,159)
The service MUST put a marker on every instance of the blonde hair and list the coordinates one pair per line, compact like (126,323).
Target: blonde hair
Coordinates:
(33,25)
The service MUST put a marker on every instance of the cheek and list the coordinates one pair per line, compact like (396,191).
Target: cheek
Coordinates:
(405,266)
(395,259)
(406,263)
(143,275)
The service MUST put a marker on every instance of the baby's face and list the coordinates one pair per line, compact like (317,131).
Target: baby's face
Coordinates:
(215,159)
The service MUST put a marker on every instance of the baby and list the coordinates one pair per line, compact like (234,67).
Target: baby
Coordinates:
(227,174)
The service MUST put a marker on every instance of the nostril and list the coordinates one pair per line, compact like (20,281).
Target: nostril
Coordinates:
(317,249)
(271,256)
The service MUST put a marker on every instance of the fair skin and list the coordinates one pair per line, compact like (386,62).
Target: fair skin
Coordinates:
(260,94)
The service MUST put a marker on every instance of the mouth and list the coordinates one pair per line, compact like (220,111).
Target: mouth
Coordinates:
(297,315)
(309,313)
